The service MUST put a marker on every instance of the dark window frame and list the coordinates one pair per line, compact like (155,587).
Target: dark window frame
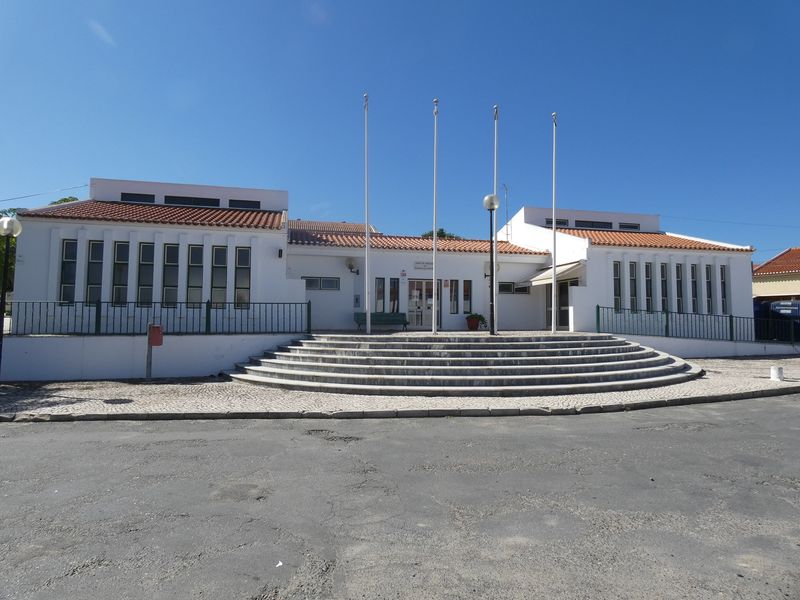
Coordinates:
(466,297)
(241,293)
(145,268)
(119,275)
(170,268)
(63,284)
(94,274)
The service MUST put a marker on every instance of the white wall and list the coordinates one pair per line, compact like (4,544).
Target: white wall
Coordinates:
(39,258)
(334,310)
(38,358)
(689,348)
(536,215)
(110,190)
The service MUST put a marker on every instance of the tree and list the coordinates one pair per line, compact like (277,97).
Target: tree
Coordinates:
(12,254)
(64,200)
(442,234)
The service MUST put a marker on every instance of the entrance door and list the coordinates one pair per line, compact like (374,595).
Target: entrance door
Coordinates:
(563,303)
(420,303)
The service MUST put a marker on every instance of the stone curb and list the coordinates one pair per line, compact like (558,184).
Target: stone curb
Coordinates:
(403,413)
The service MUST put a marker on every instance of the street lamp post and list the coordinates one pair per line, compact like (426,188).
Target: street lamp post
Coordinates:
(9,227)
(490,203)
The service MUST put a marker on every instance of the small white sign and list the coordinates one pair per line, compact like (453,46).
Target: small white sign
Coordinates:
(423,265)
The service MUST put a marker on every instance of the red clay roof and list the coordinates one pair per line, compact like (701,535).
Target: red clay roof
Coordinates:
(787,261)
(637,239)
(401,242)
(97,210)
(330,226)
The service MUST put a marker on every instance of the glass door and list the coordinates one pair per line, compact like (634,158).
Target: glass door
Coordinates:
(420,303)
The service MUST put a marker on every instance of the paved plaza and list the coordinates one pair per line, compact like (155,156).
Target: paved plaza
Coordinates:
(724,379)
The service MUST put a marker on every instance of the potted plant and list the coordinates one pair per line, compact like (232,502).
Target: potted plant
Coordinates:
(475,320)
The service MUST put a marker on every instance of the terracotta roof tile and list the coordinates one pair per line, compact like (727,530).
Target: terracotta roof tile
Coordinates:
(787,261)
(97,210)
(637,239)
(329,226)
(400,242)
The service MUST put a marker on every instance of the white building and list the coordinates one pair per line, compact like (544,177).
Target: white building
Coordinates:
(207,260)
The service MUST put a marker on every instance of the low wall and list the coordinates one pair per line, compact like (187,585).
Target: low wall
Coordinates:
(38,358)
(691,348)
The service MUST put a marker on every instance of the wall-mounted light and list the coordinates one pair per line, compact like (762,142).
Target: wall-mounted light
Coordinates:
(351,266)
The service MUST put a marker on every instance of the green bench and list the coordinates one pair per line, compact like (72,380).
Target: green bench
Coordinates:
(381,318)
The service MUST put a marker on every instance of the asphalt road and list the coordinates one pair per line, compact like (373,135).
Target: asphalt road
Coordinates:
(689,502)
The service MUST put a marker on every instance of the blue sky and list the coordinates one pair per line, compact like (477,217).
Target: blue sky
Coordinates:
(684,109)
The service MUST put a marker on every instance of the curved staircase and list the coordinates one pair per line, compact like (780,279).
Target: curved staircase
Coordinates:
(463,364)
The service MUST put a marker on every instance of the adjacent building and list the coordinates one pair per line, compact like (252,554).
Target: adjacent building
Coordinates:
(778,278)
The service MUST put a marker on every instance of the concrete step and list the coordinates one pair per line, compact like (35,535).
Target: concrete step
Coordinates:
(629,353)
(689,373)
(657,359)
(478,378)
(455,353)
(438,344)
(462,337)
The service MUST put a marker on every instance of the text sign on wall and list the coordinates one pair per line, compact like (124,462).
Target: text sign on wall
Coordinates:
(423,265)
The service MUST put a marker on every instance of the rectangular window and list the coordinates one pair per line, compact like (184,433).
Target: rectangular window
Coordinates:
(559,222)
(394,294)
(617,275)
(505,287)
(467,296)
(648,287)
(246,204)
(241,290)
(380,291)
(329,283)
(664,287)
(191,201)
(723,288)
(169,282)
(593,224)
(709,290)
(629,226)
(119,287)
(138,198)
(693,275)
(219,275)
(194,277)
(144,284)
(679,286)
(454,296)
(312,283)
(634,288)
(94,271)
(69,259)
(522,289)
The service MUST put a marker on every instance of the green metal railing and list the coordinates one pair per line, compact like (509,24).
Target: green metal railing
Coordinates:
(178,318)
(697,326)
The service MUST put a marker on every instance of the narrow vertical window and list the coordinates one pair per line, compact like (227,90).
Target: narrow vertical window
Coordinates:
(679,285)
(380,292)
(617,286)
(241,284)
(723,288)
(69,259)
(634,288)
(94,271)
(454,296)
(394,294)
(648,287)
(219,275)
(664,287)
(467,296)
(709,290)
(693,276)
(119,284)
(169,286)
(194,277)
(144,283)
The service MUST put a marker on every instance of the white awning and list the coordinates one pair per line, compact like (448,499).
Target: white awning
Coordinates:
(564,271)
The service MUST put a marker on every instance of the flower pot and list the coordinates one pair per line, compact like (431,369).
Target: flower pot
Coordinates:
(473,323)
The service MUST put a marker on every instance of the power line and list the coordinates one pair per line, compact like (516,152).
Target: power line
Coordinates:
(44,193)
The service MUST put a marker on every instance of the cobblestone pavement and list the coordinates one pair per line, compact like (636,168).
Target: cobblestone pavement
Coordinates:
(725,379)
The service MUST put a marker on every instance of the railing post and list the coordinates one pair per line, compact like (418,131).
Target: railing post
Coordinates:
(730,326)
(308,317)
(597,317)
(666,324)
(208,317)
(97,318)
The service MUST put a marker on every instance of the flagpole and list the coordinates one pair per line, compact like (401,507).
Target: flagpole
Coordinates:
(367,300)
(435,233)
(494,228)
(553,306)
